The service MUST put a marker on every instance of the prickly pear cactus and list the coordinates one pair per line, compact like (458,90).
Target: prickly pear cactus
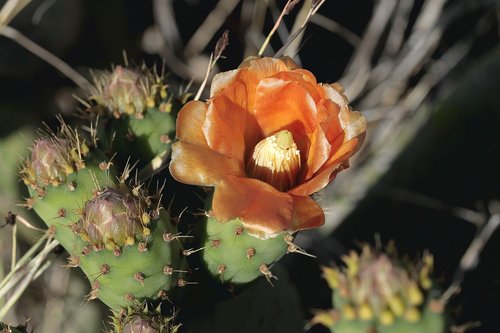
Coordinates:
(377,292)
(122,238)
(143,318)
(137,113)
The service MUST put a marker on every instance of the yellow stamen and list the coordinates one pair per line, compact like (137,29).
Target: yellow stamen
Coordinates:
(276,161)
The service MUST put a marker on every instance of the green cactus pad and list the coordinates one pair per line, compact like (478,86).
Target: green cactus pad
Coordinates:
(144,138)
(144,270)
(232,255)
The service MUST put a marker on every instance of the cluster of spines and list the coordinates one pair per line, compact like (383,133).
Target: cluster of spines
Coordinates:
(380,290)
(143,318)
(54,156)
(134,213)
(126,91)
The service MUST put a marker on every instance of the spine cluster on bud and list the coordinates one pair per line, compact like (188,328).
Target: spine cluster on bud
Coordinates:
(142,318)
(126,91)
(137,114)
(53,158)
(378,291)
(114,218)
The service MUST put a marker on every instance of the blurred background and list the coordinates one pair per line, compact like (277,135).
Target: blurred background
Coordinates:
(426,74)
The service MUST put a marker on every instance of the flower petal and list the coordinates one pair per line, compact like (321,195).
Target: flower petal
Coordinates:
(263,209)
(224,127)
(285,105)
(190,121)
(328,117)
(317,155)
(340,100)
(298,78)
(222,80)
(266,67)
(356,126)
(307,214)
(328,171)
(195,165)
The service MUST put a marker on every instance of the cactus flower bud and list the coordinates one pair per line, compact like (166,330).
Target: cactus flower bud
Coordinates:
(112,218)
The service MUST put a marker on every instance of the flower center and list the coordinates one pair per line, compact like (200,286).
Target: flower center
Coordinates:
(276,161)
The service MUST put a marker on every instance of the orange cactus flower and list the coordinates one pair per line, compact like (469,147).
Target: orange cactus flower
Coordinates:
(268,138)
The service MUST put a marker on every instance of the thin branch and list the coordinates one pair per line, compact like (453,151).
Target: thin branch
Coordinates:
(45,55)
(10,10)
(253,35)
(20,280)
(282,30)
(209,27)
(221,45)
(315,5)
(381,155)
(470,259)
(165,19)
(288,7)
(27,224)
(334,27)
(398,28)
(404,195)
(357,72)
